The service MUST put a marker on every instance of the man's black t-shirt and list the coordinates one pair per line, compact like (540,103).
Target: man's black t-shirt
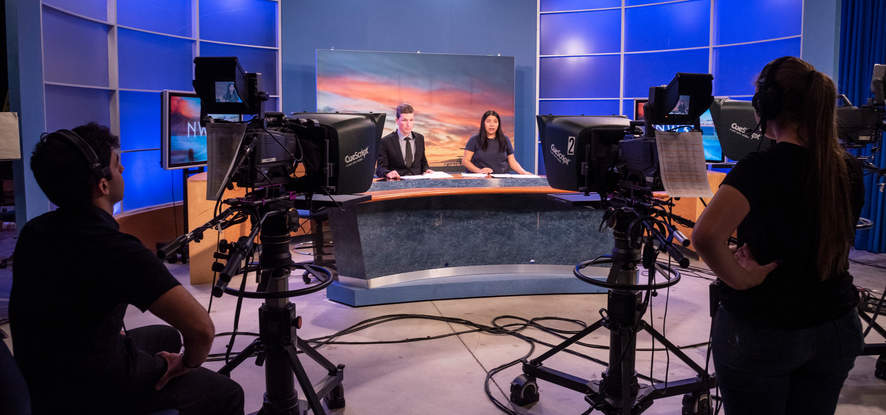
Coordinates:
(74,273)
(781,226)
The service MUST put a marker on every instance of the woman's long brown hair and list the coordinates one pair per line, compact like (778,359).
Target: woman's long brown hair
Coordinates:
(809,100)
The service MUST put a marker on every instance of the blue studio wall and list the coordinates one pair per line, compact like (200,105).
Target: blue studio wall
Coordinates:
(481,27)
(596,57)
(108,61)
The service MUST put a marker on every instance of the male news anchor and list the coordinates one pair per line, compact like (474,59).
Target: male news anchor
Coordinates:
(402,152)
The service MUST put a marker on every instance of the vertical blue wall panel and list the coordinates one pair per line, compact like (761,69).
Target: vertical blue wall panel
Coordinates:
(749,20)
(164,16)
(149,61)
(644,70)
(147,184)
(559,5)
(259,60)
(75,51)
(595,107)
(245,21)
(736,67)
(96,9)
(578,33)
(68,107)
(668,26)
(140,119)
(579,77)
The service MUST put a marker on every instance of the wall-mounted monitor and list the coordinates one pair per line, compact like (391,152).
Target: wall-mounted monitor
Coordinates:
(639,111)
(183,140)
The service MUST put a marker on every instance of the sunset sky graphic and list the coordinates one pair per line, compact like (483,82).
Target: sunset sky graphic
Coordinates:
(450,93)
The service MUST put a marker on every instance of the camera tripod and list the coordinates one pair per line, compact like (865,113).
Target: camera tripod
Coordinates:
(869,308)
(619,392)
(278,344)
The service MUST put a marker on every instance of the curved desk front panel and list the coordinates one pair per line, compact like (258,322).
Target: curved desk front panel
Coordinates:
(458,238)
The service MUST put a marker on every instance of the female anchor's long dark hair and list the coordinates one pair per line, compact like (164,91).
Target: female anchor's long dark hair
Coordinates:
(499,136)
(809,100)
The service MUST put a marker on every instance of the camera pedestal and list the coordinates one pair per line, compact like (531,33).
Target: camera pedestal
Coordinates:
(278,344)
(619,392)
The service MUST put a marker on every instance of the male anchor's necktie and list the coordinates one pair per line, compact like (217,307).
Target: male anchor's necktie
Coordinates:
(408,157)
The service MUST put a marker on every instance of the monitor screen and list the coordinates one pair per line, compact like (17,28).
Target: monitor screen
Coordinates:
(712,151)
(639,111)
(226,91)
(184,139)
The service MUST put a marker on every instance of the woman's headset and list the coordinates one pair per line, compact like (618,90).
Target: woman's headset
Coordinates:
(767,100)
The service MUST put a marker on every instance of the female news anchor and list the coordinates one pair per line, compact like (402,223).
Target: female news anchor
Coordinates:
(490,151)
(786,332)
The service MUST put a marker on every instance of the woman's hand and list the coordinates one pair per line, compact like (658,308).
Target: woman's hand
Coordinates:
(756,273)
(486,170)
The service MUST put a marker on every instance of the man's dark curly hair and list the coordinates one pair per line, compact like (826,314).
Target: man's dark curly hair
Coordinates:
(62,171)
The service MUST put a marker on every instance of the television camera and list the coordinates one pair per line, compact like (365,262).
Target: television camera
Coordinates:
(283,162)
(618,159)
(860,126)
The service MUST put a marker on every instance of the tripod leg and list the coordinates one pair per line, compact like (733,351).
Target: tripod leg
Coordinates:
(305,383)
(314,354)
(671,347)
(873,322)
(568,342)
(239,358)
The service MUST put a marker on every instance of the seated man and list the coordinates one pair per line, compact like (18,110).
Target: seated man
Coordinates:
(73,277)
(402,152)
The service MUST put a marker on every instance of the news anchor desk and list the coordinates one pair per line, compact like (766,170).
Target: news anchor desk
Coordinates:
(462,237)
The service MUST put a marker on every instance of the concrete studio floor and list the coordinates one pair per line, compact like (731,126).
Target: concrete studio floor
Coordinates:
(446,375)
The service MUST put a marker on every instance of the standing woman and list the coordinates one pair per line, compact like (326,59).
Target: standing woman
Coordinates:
(490,151)
(786,333)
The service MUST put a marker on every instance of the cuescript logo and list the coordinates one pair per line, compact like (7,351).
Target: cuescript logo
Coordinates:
(356,157)
(559,155)
(743,131)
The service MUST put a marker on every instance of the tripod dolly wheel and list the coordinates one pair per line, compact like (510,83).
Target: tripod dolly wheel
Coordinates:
(336,398)
(697,404)
(880,368)
(524,390)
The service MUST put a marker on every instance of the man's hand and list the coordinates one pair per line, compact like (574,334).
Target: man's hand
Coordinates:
(174,368)
(756,273)
(393,175)
(428,171)
(486,170)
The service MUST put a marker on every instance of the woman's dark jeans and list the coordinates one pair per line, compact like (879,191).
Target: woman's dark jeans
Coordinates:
(783,371)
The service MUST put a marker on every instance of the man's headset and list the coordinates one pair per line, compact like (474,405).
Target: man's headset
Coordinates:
(92,160)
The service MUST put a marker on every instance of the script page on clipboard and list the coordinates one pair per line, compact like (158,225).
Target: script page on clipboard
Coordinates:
(682,164)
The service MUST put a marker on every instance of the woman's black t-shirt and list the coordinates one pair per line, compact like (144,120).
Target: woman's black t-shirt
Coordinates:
(781,226)
(491,157)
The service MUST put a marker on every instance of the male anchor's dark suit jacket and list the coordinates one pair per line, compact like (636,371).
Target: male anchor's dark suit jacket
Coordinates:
(390,157)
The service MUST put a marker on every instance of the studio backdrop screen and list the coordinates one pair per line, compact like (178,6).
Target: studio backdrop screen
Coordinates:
(450,93)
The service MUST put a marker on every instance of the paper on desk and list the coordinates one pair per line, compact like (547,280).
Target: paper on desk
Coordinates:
(474,175)
(432,175)
(515,176)
(9,137)
(682,163)
(437,175)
